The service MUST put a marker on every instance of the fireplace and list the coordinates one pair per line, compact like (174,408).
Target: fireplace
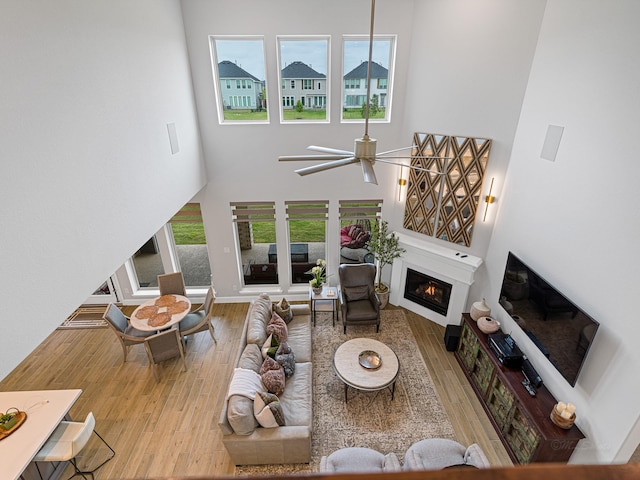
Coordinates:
(438,262)
(427,291)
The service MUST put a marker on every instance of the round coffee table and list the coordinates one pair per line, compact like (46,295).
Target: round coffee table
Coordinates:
(348,365)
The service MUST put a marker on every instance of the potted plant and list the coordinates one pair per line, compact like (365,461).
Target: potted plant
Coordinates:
(319,276)
(385,249)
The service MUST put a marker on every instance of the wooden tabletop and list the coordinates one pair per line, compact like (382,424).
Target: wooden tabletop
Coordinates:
(167,309)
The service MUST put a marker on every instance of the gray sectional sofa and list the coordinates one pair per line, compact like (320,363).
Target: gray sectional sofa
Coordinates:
(247,442)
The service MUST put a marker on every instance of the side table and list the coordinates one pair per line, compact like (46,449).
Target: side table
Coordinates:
(327,301)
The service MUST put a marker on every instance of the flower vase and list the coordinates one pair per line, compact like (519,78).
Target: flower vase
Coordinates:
(317,290)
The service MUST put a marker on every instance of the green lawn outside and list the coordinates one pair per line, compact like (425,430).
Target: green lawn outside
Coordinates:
(232,115)
(356,114)
(263,232)
(248,115)
(305,115)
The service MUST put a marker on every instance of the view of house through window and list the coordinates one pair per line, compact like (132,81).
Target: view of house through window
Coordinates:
(303,78)
(256,236)
(355,68)
(240,78)
(307,222)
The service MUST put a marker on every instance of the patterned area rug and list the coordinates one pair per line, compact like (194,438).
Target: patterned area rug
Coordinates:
(86,317)
(368,419)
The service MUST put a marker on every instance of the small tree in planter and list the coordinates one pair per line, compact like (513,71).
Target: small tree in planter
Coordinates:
(385,249)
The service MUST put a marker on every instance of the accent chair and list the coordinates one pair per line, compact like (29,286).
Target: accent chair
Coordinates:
(359,302)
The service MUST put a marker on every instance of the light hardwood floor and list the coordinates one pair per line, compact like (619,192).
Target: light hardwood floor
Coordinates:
(170,428)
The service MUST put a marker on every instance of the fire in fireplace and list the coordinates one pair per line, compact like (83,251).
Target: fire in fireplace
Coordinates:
(427,291)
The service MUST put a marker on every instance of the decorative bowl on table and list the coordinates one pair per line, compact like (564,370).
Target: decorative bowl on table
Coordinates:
(370,359)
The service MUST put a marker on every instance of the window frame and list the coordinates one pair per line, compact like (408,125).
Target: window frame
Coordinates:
(291,85)
(217,82)
(345,69)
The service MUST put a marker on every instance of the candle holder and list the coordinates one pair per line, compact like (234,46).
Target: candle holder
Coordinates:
(559,420)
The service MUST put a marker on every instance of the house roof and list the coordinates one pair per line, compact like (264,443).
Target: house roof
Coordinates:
(227,69)
(300,70)
(377,71)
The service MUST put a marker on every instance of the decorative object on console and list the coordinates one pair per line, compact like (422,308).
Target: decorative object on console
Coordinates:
(488,325)
(563,415)
(480,309)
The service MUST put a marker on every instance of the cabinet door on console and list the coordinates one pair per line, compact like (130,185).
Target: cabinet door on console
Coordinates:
(482,372)
(522,437)
(500,402)
(468,349)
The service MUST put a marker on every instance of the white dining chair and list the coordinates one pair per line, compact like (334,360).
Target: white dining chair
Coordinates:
(67,441)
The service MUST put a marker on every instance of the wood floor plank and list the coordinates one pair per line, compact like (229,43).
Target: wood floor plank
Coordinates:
(170,427)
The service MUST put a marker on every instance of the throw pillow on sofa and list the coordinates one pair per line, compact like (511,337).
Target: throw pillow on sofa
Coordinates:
(272,375)
(268,410)
(285,357)
(278,328)
(270,347)
(283,308)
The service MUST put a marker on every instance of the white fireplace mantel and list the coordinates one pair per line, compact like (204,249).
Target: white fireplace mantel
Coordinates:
(448,264)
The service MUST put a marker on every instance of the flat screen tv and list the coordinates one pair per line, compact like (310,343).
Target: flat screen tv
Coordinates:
(559,328)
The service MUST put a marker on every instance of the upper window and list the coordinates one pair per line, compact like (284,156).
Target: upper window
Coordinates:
(239,73)
(303,66)
(355,65)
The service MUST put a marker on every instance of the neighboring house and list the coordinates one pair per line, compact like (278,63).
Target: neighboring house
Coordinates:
(238,88)
(301,82)
(355,85)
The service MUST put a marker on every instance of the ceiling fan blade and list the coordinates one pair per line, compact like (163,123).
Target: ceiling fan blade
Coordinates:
(367,172)
(297,158)
(325,166)
(384,160)
(333,151)
(396,150)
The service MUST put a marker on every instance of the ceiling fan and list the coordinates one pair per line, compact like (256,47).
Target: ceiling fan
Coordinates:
(365,147)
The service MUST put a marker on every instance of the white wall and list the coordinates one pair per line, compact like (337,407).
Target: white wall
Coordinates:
(87,175)
(574,220)
(469,66)
(242,159)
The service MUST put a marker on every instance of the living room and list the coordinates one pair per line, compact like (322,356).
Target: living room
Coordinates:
(90,88)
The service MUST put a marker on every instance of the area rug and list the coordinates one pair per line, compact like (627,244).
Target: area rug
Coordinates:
(368,419)
(86,317)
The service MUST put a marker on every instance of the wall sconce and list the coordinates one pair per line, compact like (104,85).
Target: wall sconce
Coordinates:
(402,182)
(489,199)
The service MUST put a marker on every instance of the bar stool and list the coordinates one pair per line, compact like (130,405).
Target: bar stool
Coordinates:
(67,441)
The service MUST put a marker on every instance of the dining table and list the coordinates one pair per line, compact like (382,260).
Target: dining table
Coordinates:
(44,410)
(160,313)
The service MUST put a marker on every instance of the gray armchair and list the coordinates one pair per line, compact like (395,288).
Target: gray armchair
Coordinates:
(126,334)
(200,319)
(359,460)
(359,302)
(164,346)
(172,283)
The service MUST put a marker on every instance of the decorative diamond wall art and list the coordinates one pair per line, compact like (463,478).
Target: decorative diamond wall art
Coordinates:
(444,206)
